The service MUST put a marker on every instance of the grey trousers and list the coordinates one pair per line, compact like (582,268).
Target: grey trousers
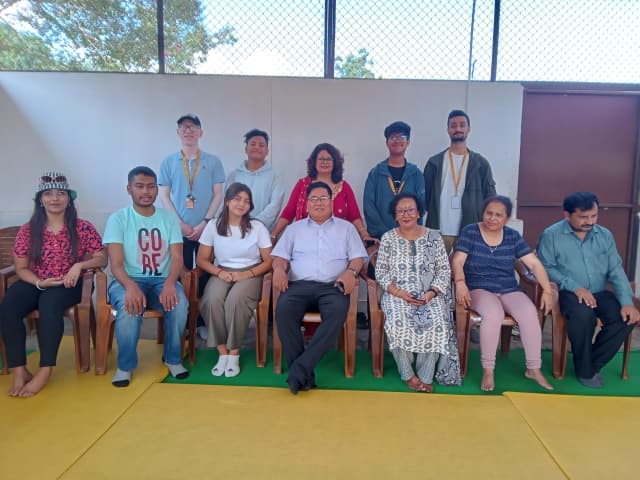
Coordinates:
(425,364)
(227,309)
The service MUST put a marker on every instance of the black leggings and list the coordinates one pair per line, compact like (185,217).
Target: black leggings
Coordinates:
(23,298)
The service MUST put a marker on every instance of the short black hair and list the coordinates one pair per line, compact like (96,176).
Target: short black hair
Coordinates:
(506,201)
(401,196)
(256,133)
(397,127)
(315,185)
(580,201)
(458,113)
(141,171)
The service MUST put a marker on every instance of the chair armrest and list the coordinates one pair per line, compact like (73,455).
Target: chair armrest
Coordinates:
(6,273)
(266,288)
(101,288)
(87,287)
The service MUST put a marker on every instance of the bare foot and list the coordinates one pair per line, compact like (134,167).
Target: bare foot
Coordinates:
(37,383)
(426,387)
(536,374)
(21,376)
(488,383)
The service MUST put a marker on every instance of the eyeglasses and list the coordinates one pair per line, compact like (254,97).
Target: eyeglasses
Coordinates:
(323,198)
(325,159)
(398,138)
(409,212)
(49,179)
(189,128)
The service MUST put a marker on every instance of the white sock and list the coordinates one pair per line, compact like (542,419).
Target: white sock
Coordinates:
(177,370)
(218,368)
(121,378)
(233,366)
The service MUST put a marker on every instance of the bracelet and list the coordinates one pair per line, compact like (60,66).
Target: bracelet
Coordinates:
(38,286)
(459,279)
(547,292)
(251,272)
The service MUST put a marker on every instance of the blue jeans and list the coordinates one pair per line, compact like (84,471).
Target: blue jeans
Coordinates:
(128,326)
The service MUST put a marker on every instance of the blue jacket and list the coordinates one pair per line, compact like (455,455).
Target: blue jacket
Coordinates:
(378,196)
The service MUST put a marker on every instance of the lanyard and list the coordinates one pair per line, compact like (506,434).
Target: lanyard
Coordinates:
(393,187)
(457,176)
(190,180)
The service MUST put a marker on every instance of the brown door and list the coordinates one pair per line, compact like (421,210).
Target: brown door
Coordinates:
(573,141)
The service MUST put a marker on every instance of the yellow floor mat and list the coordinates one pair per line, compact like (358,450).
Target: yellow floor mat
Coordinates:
(41,437)
(198,431)
(590,437)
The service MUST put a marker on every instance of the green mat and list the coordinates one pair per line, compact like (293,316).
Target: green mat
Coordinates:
(509,375)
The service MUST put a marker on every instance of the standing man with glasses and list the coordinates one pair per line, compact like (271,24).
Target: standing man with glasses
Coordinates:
(457,181)
(315,265)
(191,185)
(389,178)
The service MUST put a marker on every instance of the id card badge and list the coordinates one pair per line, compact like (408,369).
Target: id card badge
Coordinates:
(456,202)
(190,201)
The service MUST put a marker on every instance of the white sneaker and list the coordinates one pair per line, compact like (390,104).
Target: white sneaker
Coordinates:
(203,332)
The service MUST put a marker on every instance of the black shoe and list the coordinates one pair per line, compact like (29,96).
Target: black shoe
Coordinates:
(294,386)
(362,322)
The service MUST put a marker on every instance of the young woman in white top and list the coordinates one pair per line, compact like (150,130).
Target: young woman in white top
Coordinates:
(235,250)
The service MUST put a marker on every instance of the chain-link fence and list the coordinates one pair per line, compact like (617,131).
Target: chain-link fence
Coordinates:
(570,40)
(538,40)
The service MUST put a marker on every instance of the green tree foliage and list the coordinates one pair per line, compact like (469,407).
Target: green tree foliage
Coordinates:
(119,35)
(24,51)
(355,66)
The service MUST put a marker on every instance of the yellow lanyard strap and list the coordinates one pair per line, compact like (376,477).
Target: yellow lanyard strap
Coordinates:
(457,176)
(185,167)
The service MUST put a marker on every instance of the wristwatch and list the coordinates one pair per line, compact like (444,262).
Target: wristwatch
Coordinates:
(355,272)
(206,220)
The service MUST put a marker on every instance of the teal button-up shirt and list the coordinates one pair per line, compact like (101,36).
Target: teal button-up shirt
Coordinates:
(591,264)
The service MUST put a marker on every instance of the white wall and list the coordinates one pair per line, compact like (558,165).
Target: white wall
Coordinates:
(96,127)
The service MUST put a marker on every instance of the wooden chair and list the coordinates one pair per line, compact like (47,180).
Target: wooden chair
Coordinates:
(467,318)
(560,339)
(347,340)
(376,316)
(106,320)
(81,315)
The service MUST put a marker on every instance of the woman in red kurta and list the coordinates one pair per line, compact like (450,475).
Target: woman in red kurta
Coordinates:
(325,164)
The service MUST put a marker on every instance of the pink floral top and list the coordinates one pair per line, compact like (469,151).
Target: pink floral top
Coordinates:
(344,202)
(56,248)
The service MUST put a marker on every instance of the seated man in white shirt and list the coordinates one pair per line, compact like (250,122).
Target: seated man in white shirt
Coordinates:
(323,255)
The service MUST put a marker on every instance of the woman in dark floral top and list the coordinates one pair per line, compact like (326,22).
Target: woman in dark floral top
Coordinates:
(50,253)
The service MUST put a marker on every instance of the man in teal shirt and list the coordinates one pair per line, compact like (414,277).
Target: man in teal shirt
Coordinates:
(581,257)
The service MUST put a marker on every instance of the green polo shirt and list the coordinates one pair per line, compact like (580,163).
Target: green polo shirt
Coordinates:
(592,264)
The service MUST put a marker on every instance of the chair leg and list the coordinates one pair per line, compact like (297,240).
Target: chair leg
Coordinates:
(262,332)
(625,358)
(160,330)
(505,339)
(463,330)
(559,347)
(3,355)
(277,350)
(104,337)
(192,320)
(350,348)
(376,343)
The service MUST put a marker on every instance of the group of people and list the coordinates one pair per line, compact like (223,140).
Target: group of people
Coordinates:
(235,230)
